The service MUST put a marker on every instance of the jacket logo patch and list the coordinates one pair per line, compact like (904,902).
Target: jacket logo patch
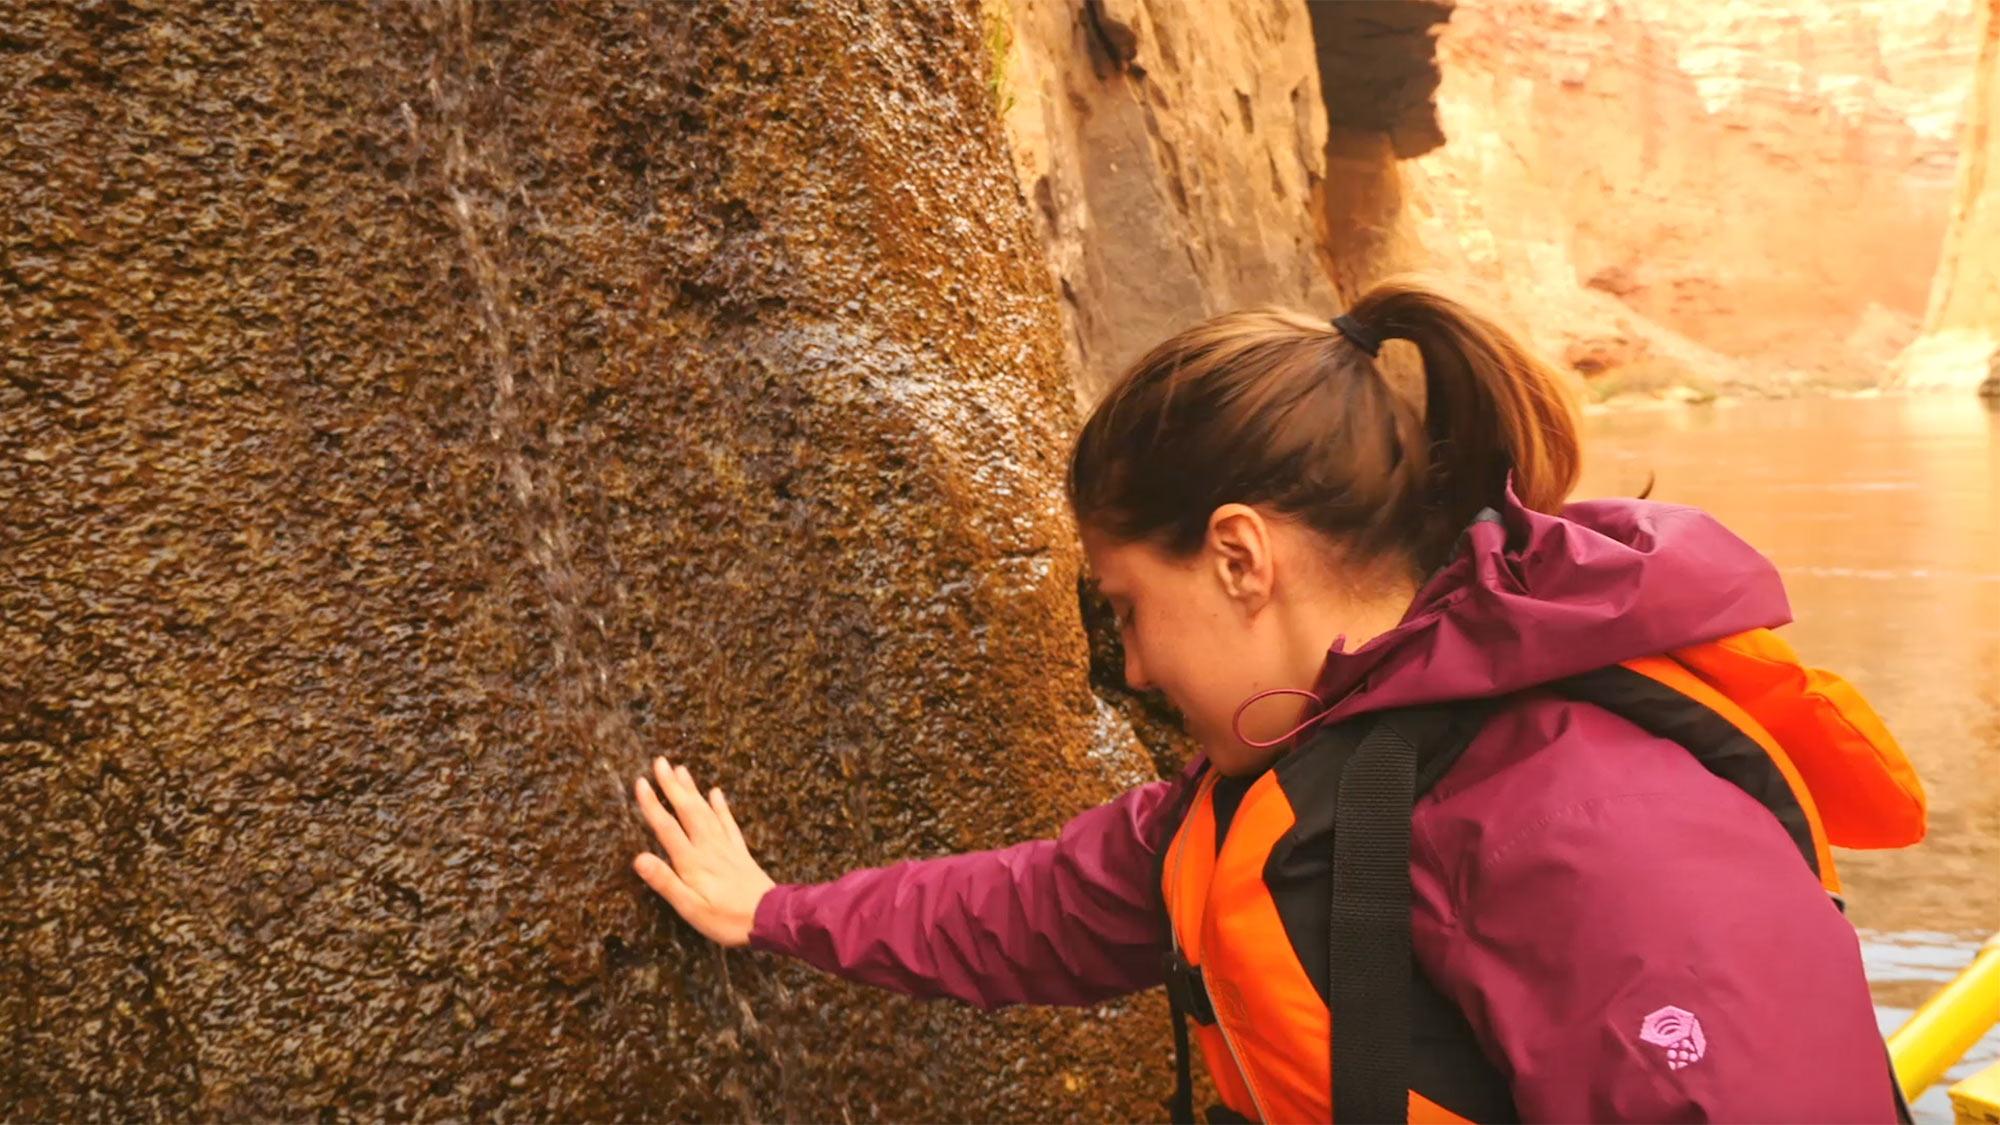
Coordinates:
(1677,1030)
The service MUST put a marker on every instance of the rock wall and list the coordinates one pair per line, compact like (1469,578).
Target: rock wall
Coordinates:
(1745,193)
(1187,157)
(1379,77)
(1960,345)
(1378,68)
(416,416)
(1169,150)
(1753,188)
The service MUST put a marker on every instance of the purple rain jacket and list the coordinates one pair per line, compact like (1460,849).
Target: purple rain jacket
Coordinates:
(1572,875)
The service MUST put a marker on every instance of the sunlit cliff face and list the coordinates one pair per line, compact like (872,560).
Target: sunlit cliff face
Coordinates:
(1750,191)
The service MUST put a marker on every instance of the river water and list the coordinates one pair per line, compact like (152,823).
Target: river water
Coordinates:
(1884,516)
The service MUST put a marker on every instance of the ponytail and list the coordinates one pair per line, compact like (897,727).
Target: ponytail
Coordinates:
(1276,408)
(1491,408)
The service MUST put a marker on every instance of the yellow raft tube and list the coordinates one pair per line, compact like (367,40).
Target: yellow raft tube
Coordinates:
(1947,1026)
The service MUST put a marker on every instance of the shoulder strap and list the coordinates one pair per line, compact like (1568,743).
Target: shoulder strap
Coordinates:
(1369,970)
(1369,934)
(1370,973)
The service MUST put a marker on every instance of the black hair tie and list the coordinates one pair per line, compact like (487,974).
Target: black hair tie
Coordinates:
(1360,337)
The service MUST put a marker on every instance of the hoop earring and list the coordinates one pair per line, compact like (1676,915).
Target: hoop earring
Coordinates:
(1236,723)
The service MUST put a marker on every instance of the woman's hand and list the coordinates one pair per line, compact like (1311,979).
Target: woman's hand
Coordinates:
(708,876)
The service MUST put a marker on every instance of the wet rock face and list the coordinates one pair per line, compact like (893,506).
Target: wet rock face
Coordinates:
(412,418)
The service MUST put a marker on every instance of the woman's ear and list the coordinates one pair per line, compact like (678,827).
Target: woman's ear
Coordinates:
(1239,548)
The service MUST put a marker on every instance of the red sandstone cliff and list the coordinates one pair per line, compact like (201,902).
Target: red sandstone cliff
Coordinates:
(1751,189)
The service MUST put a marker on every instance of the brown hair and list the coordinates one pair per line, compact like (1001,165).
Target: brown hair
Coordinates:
(1280,410)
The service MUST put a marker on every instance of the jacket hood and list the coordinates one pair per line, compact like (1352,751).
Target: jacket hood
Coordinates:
(1532,598)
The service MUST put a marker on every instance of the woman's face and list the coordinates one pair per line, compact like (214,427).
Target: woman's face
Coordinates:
(1197,631)
(1255,608)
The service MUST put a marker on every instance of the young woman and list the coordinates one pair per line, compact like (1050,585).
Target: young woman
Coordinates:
(1606,792)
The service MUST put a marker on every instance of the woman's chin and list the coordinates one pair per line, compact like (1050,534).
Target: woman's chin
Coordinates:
(1239,760)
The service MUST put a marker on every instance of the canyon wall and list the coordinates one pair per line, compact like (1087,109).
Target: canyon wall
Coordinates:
(1742,195)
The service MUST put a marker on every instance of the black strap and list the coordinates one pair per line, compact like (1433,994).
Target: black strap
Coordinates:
(1187,990)
(1180,1109)
(1187,998)
(1369,932)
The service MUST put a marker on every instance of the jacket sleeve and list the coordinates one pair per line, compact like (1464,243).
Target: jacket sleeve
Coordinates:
(1072,920)
(1667,957)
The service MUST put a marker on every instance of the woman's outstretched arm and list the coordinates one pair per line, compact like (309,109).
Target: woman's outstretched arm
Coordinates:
(1071,920)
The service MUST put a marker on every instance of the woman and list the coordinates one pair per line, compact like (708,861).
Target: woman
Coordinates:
(1614,789)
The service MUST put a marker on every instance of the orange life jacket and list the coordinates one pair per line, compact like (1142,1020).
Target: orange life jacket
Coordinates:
(1800,741)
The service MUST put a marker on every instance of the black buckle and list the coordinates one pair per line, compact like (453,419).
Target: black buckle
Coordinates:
(1185,987)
